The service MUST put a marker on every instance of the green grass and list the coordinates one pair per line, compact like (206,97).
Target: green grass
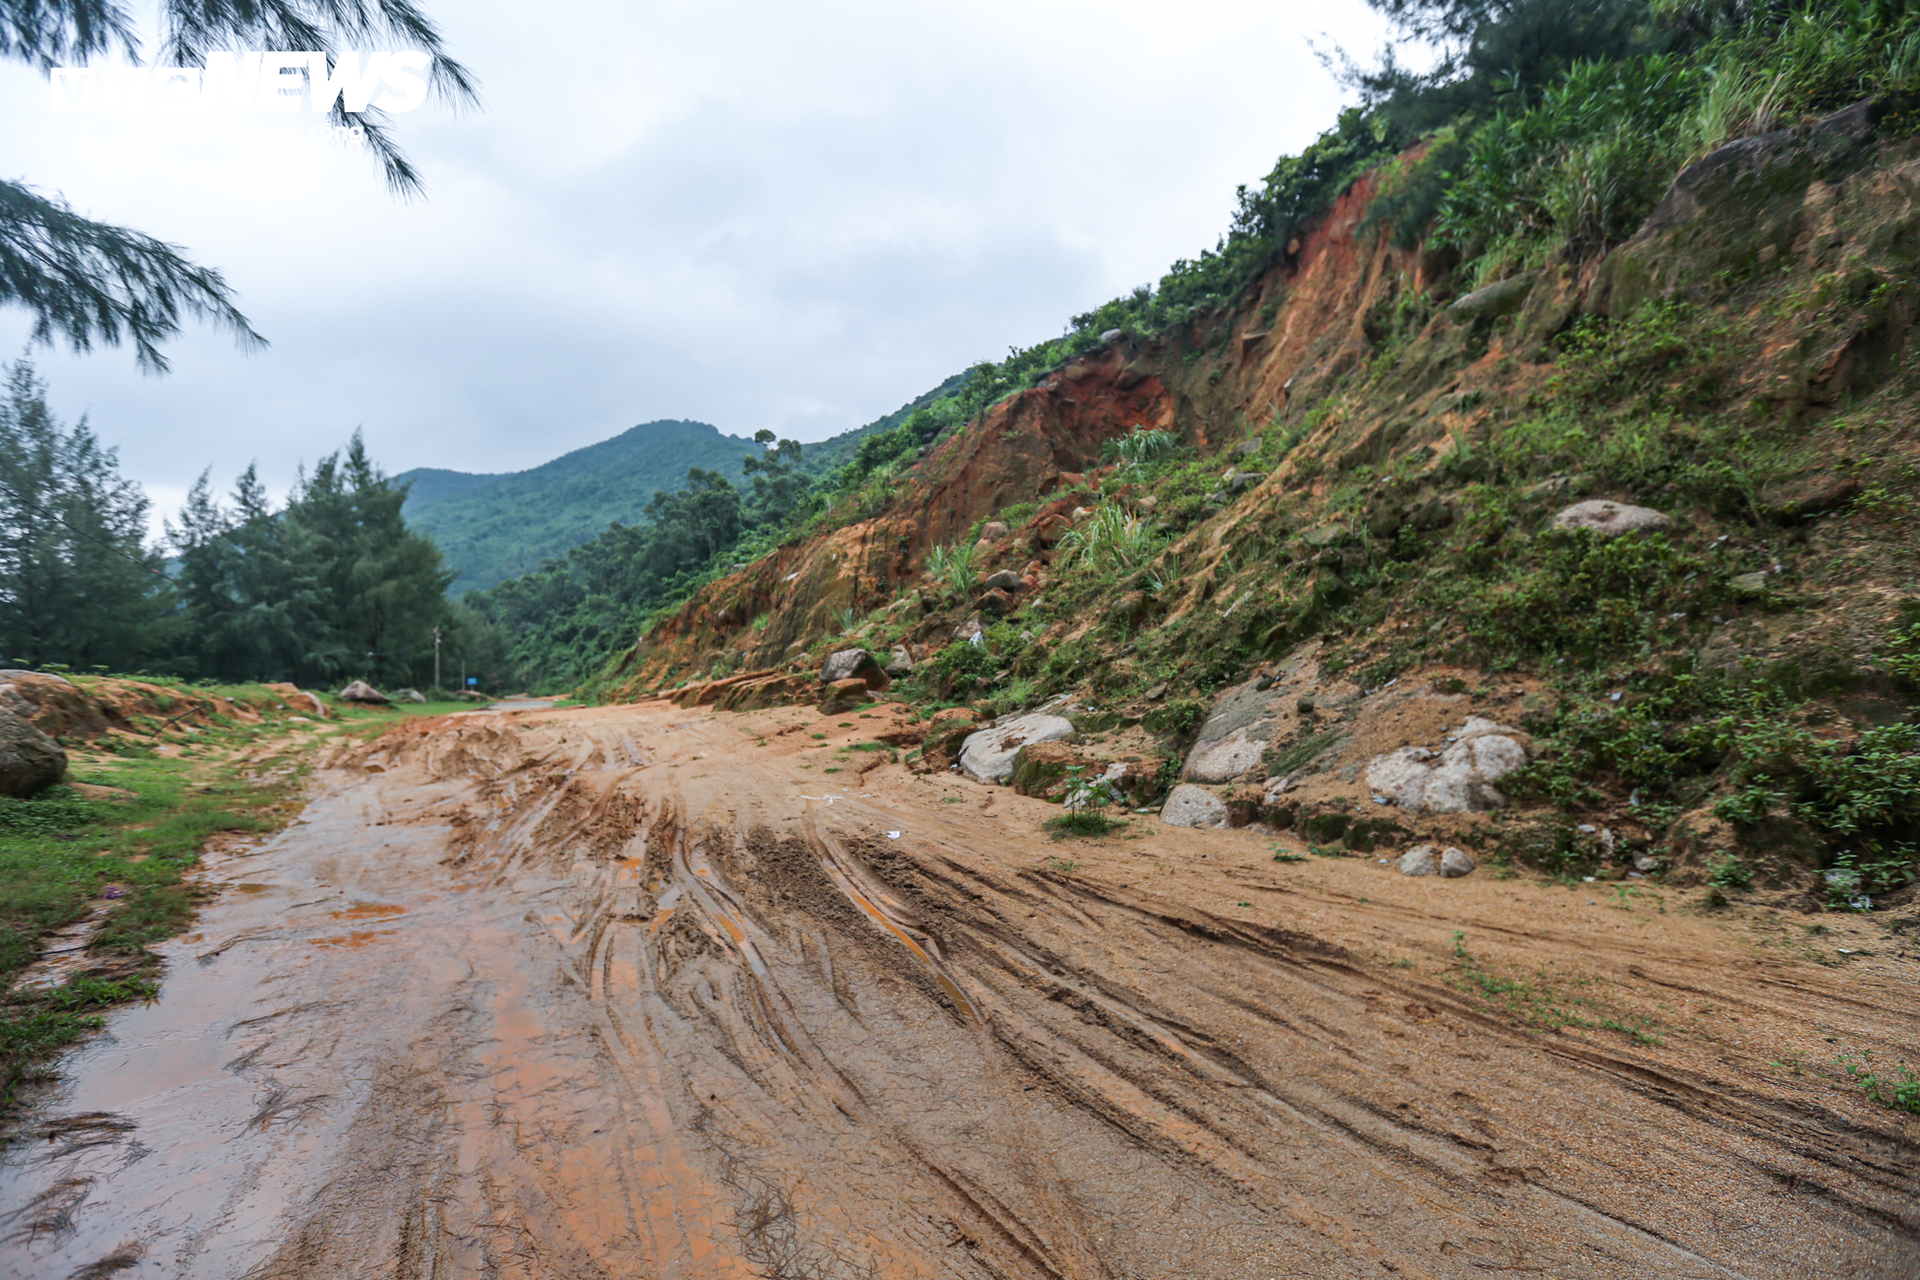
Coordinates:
(1082,822)
(60,851)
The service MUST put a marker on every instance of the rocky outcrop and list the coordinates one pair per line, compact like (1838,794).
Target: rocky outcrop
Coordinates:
(854,664)
(52,704)
(30,761)
(988,755)
(1191,806)
(1610,519)
(1458,778)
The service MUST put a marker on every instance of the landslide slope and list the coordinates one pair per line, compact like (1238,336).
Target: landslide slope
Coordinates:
(1368,464)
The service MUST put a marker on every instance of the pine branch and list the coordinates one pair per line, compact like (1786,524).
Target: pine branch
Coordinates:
(88,281)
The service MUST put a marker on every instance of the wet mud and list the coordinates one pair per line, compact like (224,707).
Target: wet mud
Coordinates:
(638,992)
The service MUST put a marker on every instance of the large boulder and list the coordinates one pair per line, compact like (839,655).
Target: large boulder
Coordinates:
(988,755)
(300,700)
(854,664)
(30,761)
(1040,769)
(1459,778)
(410,695)
(364,694)
(1191,806)
(843,696)
(1610,519)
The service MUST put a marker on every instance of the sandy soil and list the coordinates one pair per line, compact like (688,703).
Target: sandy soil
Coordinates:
(638,992)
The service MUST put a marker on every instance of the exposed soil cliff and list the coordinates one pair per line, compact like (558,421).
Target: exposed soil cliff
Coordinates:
(1373,459)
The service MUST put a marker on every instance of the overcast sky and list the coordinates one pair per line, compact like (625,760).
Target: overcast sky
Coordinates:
(749,214)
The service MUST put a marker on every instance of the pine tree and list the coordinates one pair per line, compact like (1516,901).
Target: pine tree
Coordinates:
(77,583)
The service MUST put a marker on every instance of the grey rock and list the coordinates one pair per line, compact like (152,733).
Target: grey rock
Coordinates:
(1304,704)
(410,695)
(854,664)
(1110,335)
(1610,519)
(1191,806)
(899,662)
(30,761)
(1421,860)
(1240,481)
(1005,580)
(1325,535)
(1455,863)
(993,531)
(1458,779)
(1502,298)
(365,694)
(1227,759)
(988,755)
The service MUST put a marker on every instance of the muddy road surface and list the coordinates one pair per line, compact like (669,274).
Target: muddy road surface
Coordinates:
(640,992)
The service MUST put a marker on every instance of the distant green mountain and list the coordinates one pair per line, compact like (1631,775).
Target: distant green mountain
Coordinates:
(494,527)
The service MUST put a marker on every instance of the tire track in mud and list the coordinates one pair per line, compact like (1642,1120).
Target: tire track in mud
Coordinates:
(636,1008)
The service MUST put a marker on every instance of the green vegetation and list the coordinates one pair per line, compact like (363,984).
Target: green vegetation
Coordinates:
(1899,1089)
(122,849)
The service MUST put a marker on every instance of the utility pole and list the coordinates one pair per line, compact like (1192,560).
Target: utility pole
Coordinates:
(436,657)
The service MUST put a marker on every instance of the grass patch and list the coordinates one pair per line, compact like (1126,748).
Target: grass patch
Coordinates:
(63,853)
(1083,822)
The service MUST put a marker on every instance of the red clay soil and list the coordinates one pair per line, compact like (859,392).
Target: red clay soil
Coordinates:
(645,991)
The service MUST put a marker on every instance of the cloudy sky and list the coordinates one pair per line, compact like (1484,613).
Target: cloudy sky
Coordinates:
(752,214)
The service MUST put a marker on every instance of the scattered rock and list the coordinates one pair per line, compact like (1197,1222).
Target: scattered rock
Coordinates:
(410,695)
(1610,519)
(1750,584)
(988,755)
(1421,860)
(363,693)
(993,531)
(1240,481)
(843,696)
(30,761)
(1040,769)
(1325,535)
(1109,335)
(1191,806)
(854,664)
(1502,298)
(300,698)
(1156,692)
(1457,780)
(1227,759)
(1304,704)
(1005,580)
(1050,529)
(899,662)
(996,602)
(1455,863)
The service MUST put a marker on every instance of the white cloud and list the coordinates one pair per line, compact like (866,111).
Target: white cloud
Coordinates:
(752,214)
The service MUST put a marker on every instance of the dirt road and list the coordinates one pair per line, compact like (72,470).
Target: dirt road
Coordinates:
(638,992)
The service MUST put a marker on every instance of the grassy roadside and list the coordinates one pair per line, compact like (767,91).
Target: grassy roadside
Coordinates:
(119,837)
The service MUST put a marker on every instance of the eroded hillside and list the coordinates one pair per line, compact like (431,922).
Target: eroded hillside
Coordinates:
(1361,505)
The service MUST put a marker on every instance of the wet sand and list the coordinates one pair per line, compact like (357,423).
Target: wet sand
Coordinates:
(638,992)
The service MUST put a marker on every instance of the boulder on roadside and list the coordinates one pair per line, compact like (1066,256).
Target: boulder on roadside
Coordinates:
(363,693)
(1040,769)
(844,695)
(1191,806)
(1455,863)
(1421,860)
(1610,519)
(1458,779)
(854,664)
(30,761)
(301,700)
(409,695)
(988,754)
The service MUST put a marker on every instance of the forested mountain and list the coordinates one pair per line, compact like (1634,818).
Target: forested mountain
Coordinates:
(493,527)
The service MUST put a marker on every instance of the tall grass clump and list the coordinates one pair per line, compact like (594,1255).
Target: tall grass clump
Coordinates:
(952,566)
(1112,541)
(1140,448)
